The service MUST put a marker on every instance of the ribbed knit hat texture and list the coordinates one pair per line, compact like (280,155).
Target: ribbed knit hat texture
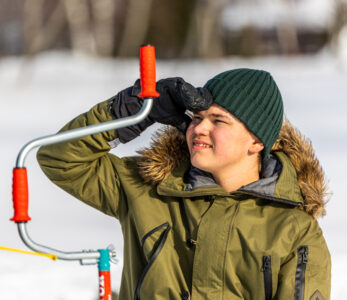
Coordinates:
(253,97)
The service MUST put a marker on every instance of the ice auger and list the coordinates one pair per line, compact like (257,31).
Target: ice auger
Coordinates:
(102,257)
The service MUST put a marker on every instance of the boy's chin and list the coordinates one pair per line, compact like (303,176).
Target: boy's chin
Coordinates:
(200,166)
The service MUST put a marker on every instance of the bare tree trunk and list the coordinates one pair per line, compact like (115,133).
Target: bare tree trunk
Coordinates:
(104,30)
(32,21)
(40,35)
(204,38)
(77,12)
(338,34)
(340,20)
(136,26)
(287,34)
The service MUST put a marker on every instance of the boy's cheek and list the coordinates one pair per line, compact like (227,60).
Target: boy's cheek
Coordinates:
(189,129)
(189,134)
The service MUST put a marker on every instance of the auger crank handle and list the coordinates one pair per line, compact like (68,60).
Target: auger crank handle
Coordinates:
(20,180)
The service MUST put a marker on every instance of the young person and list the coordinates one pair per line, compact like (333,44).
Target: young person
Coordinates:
(226,211)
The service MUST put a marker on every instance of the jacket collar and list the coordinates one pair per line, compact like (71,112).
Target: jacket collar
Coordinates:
(279,184)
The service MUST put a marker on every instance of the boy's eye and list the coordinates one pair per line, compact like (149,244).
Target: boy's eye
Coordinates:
(196,118)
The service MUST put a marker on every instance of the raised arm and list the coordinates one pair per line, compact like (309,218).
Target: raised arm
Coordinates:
(85,169)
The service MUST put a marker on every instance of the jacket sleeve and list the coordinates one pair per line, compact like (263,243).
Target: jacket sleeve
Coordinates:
(306,274)
(83,167)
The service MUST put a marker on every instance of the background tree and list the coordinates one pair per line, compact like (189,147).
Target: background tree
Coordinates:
(180,28)
(204,38)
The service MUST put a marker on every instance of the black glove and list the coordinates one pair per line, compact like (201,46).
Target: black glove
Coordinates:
(176,96)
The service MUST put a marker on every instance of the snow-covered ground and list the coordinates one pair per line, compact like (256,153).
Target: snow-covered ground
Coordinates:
(38,96)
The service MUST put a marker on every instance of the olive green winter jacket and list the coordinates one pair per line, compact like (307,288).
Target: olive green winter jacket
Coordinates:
(184,236)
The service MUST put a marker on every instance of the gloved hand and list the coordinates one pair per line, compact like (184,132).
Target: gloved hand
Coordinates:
(176,96)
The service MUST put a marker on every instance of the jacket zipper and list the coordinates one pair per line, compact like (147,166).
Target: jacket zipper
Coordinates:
(267,277)
(154,255)
(300,273)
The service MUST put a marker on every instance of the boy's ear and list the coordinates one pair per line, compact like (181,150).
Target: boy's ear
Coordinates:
(256,147)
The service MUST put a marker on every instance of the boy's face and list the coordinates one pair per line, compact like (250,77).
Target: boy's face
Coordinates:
(219,142)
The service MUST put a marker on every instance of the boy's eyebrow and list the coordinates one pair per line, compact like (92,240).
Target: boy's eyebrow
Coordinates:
(215,115)
(225,116)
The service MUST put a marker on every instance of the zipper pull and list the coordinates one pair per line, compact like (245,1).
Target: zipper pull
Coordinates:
(266,264)
(303,255)
(191,243)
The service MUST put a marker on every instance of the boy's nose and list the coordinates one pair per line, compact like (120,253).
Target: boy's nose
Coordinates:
(202,128)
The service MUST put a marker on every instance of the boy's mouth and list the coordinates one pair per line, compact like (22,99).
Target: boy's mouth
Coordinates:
(198,144)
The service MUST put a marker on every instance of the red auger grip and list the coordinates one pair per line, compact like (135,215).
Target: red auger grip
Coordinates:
(20,195)
(147,72)
(105,291)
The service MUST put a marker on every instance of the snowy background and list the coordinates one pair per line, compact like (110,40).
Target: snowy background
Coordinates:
(38,96)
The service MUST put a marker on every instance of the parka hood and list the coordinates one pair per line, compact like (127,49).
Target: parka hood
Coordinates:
(168,150)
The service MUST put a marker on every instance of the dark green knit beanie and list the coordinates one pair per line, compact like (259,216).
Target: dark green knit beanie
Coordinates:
(253,97)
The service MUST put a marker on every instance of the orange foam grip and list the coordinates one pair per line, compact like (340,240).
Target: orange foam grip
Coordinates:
(20,195)
(147,72)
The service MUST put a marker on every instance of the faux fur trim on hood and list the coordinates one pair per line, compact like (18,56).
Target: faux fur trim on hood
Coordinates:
(311,177)
(168,148)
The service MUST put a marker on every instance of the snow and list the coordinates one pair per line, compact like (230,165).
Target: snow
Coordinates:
(40,95)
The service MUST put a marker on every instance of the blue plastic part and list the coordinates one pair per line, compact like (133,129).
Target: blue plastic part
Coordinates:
(104,261)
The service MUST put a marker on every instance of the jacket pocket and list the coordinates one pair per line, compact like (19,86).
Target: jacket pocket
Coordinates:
(266,268)
(300,273)
(155,254)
